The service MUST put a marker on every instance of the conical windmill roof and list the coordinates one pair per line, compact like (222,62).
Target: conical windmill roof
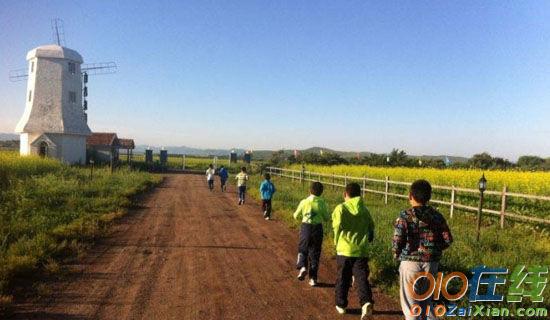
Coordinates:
(56,52)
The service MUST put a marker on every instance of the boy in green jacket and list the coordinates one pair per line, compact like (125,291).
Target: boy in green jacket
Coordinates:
(312,211)
(353,230)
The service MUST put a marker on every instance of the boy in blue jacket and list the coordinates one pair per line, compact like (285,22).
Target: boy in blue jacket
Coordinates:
(267,189)
(223,177)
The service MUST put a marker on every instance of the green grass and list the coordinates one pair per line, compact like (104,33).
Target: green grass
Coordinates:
(517,244)
(49,210)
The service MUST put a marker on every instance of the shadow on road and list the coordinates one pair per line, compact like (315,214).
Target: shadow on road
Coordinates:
(325,285)
(224,247)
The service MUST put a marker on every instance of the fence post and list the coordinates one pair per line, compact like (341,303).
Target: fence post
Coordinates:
(333,181)
(452,201)
(345,179)
(364,185)
(387,189)
(503,207)
(319,177)
(302,173)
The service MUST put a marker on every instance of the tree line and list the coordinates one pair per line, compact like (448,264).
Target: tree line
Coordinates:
(399,158)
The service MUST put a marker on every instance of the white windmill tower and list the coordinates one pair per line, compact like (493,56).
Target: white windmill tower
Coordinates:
(54,122)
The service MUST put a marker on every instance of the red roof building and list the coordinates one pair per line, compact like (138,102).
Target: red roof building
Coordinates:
(126,144)
(102,139)
(103,147)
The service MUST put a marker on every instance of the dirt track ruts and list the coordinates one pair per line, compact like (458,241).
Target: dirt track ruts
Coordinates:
(192,254)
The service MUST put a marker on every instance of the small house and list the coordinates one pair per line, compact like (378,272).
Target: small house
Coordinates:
(103,147)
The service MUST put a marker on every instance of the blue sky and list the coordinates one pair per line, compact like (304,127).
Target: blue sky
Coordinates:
(430,77)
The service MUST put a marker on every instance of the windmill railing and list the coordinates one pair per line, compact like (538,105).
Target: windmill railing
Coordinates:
(390,188)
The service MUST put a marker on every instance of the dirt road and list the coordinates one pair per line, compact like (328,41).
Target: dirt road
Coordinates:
(193,254)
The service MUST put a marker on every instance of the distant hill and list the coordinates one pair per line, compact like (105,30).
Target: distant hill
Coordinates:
(189,151)
(11,141)
(9,145)
(453,159)
(8,136)
(266,154)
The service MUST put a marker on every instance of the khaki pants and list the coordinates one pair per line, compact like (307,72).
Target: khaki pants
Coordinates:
(407,272)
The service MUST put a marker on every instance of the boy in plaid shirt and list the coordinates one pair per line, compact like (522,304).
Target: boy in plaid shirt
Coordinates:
(420,236)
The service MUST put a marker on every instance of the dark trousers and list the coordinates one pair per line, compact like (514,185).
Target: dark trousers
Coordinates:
(309,248)
(242,192)
(222,183)
(358,268)
(266,207)
(211,184)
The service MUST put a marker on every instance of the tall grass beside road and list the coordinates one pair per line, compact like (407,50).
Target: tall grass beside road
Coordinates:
(49,210)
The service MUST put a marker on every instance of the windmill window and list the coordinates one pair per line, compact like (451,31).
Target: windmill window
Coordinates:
(32,66)
(30,95)
(72,68)
(72,97)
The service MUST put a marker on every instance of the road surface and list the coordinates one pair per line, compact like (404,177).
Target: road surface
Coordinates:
(187,253)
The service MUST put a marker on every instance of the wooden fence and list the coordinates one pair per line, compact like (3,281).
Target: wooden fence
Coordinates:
(336,180)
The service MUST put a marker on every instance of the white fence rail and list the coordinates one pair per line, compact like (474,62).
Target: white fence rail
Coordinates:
(341,181)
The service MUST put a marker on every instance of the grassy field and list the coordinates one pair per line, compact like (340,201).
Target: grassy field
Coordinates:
(536,183)
(520,244)
(49,211)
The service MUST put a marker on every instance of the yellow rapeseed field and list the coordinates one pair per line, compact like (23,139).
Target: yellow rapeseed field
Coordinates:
(516,181)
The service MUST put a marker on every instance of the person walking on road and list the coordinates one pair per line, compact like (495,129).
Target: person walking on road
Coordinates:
(224,175)
(210,172)
(267,189)
(242,178)
(421,234)
(353,230)
(312,211)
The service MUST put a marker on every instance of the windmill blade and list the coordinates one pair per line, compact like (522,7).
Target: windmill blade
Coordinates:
(99,68)
(18,75)
(58,32)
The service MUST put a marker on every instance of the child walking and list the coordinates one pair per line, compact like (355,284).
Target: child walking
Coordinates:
(353,229)
(210,172)
(223,177)
(242,178)
(267,189)
(421,234)
(312,211)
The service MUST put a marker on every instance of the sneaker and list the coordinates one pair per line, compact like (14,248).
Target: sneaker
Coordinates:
(366,311)
(312,282)
(240,202)
(267,218)
(340,310)
(302,274)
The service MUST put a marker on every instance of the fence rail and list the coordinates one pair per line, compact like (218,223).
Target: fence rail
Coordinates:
(331,180)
